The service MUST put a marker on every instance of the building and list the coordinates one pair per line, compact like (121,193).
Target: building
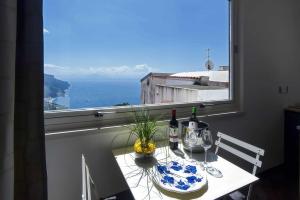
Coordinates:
(185,87)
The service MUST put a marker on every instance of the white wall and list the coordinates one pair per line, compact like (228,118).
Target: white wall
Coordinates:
(64,165)
(213,95)
(170,94)
(179,82)
(271,39)
(271,58)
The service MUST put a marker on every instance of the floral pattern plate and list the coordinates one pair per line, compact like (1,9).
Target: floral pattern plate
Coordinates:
(179,177)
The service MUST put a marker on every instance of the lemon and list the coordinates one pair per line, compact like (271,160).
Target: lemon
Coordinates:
(150,148)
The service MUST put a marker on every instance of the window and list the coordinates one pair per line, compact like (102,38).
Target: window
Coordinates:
(113,56)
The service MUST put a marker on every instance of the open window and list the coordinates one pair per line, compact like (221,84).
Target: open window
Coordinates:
(104,59)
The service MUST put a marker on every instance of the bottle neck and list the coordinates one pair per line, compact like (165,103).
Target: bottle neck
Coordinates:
(194,115)
(194,112)
(173,114)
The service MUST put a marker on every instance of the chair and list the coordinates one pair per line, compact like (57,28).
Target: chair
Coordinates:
(253,160)
(88,186)
(87,182)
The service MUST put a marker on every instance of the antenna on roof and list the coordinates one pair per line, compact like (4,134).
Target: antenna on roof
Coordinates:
(209,65)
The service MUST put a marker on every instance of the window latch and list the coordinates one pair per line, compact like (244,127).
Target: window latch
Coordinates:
(100,114)
(203,105)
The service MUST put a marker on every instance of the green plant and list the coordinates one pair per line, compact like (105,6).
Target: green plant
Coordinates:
(144,127)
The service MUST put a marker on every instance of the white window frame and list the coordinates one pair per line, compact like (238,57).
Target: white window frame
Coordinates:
(99,117)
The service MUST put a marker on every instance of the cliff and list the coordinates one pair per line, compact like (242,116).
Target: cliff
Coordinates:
(54,87)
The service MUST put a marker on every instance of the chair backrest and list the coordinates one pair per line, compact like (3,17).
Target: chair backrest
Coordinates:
(254,160)
(87,182)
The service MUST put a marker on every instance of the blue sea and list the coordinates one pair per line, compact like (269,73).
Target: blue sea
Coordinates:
(86,94)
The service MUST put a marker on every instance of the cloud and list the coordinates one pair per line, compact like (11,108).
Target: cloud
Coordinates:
(124,71)
(46,31)
(142,67)
(51,66)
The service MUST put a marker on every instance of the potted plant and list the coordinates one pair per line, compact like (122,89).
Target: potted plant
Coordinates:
(144,129)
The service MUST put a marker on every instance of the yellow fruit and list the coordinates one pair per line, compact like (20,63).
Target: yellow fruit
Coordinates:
(150,148)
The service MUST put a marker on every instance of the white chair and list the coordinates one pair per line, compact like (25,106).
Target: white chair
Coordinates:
(87,182)
(253,160)
(89,190)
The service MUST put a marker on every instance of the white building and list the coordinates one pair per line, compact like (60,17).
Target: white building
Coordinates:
(185,87)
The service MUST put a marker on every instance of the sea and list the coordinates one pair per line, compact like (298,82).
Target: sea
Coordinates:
(87,94)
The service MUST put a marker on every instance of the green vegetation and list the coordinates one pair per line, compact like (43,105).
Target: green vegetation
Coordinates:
(144,127)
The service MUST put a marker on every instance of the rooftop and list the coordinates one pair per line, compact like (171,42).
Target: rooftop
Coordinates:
(156,75)
(218,76)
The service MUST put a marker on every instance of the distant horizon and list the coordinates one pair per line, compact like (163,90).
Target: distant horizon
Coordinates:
(103,78)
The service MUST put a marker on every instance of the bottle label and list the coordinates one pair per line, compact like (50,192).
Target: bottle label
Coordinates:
(192,126)
(173,134)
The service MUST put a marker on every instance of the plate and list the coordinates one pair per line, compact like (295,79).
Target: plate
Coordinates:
(184,177)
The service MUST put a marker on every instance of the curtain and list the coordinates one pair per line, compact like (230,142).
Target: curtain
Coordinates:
(22,138)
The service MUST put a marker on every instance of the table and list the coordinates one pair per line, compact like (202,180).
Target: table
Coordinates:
(137,175)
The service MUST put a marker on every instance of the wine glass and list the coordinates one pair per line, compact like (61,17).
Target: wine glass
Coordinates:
(207,142)
(191,139)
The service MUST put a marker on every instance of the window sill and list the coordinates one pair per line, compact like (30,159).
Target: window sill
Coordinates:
(119,130)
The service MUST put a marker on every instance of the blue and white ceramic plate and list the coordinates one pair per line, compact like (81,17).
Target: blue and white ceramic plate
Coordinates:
(178,177)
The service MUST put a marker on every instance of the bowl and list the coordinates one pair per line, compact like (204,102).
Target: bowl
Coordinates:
(183,131)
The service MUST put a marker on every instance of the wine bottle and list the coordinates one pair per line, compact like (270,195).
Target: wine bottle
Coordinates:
(193,121)
(173,131)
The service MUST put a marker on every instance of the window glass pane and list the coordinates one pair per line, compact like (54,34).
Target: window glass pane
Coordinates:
(102,53)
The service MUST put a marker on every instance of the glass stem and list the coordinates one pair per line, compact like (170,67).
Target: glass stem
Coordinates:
(205,157)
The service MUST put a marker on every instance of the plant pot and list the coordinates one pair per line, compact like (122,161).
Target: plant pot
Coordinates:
(144,149)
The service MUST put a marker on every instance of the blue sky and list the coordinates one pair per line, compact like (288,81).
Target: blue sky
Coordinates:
(129,38)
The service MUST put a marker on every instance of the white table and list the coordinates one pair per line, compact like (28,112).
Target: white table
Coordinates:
(139,180)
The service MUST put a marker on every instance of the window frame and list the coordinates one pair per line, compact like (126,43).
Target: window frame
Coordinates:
(99,117)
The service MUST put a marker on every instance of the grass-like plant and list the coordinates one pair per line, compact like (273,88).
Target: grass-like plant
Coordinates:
(144,128)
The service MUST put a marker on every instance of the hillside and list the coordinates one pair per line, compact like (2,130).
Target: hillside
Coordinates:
(54,87)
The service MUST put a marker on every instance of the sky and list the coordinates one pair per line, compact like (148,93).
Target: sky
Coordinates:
(126,39)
